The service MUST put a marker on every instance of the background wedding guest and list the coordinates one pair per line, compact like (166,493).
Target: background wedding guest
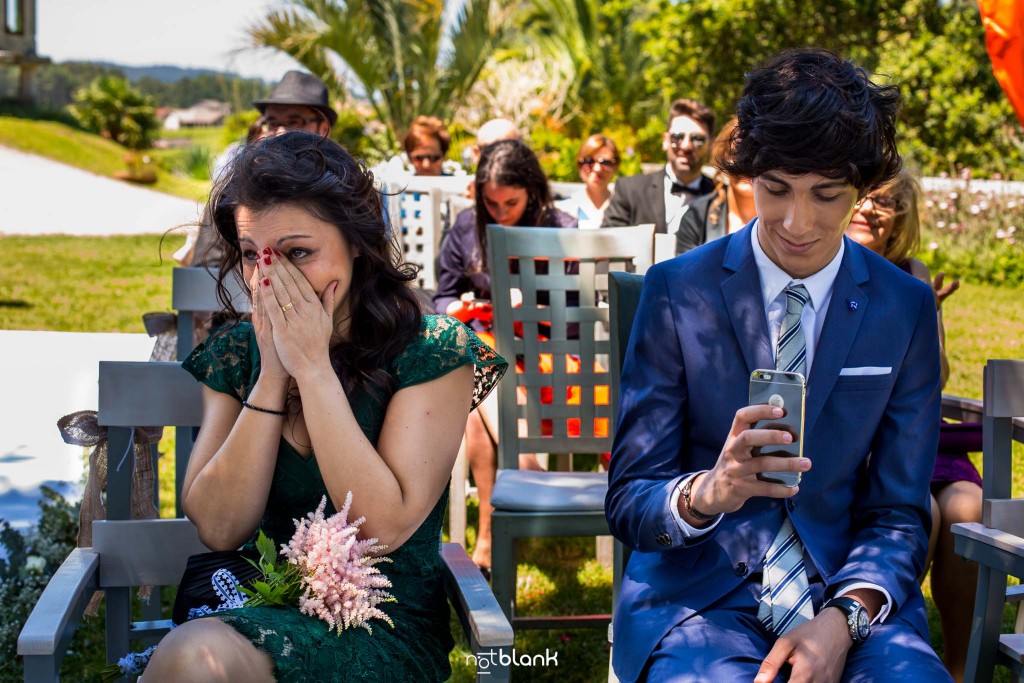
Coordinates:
(887,222)
(426,145)
(662,197)
(511,189)
(598,160)
(726,210)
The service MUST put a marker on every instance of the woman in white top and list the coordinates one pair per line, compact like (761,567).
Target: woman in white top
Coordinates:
(598,160)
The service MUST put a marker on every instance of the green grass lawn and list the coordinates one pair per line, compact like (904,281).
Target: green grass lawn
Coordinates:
(84,284)
(106,284)
(88,152)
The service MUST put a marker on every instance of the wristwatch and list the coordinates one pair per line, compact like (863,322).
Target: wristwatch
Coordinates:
(857,618)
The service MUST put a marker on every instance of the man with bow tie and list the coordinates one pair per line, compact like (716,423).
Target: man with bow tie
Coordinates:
(662,197)
(734,578)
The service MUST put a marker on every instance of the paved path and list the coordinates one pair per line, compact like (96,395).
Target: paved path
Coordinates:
(40,196)
(46,376)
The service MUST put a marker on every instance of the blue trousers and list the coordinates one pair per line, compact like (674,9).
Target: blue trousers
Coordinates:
(727,642)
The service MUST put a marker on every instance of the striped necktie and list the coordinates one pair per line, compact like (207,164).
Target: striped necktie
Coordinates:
(785,594)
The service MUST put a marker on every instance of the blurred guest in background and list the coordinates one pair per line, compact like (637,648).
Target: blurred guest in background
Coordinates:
(726,210)
(887,223)
(662,197)
(598,160)
(511,189)
(426,145)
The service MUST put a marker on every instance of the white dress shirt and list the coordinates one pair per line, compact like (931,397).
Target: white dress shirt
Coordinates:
(579,205)
(676,206)
(774,281)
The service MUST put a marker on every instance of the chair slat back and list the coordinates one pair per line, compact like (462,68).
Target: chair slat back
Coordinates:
(138,394)
(562,352)
(664,247)
(1003,401)
(420,232)
(623,298)
(194,290)
(144,552)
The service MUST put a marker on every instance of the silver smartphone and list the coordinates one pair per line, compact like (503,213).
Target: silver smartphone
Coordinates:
(784,390)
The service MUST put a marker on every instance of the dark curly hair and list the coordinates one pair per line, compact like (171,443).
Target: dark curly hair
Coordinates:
(512,164)
(807,110)
(317,175)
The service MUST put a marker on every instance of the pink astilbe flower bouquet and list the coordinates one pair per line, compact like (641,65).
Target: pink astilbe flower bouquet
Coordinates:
(340,580)
(332,574)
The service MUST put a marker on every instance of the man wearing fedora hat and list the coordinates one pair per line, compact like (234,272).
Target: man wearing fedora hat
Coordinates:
(298,102)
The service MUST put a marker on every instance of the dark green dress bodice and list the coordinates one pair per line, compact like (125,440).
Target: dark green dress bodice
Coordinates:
(302,647)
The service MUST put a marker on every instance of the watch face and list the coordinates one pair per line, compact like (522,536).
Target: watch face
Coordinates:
(863,624)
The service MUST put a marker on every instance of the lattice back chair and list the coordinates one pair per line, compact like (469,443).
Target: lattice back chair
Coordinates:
(133,553)
(557,400)
(997,543)
(194,291)
(420,231)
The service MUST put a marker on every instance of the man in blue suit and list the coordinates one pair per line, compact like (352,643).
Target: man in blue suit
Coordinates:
(737,579)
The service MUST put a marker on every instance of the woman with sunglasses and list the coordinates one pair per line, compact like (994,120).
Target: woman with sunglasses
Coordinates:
(887,223)
(510,189)
(426,145)
(598,160)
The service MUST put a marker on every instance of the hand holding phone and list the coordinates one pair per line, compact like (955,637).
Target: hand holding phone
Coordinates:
(784,390)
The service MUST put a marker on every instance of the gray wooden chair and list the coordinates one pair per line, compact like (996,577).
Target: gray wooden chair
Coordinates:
(997,543)
(530,504)
(194,294)
(153,552)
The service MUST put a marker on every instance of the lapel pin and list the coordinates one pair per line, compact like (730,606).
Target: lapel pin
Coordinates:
(851,304)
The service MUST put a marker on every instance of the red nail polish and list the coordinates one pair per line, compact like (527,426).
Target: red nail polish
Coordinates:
(266,260)
(266,250)
(266,282)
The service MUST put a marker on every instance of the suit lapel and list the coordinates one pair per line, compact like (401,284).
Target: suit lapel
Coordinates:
(656,198)
(745,303)
(846,310)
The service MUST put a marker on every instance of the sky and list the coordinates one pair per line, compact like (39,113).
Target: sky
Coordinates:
(187,33)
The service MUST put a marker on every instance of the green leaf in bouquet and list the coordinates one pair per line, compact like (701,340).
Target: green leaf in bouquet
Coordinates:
(267,550)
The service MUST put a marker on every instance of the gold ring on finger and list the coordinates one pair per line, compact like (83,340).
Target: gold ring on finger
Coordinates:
(287,307)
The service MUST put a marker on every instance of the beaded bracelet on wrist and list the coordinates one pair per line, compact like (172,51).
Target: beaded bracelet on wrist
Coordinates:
(250,406)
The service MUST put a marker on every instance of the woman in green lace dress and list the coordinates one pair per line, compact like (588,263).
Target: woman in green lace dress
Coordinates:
(337,385)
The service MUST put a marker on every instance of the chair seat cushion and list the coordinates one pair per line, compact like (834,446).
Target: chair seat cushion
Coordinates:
(533,491)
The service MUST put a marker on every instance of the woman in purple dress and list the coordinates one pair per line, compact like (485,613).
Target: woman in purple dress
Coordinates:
(887,223)
(511,189)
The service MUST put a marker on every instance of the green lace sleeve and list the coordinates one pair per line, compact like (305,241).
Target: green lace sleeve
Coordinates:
(225,361)
(444,345)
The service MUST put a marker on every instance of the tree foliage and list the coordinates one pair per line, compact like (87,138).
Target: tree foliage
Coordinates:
(954,112)
(111,107)
(407,57)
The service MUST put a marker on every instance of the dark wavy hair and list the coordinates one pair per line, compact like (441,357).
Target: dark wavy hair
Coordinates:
(512,164)
(700,113)
(807,110)
(318,176)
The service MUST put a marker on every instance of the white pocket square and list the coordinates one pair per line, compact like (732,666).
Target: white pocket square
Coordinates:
(866,370)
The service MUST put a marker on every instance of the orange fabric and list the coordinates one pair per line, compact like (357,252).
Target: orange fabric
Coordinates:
(1004,41)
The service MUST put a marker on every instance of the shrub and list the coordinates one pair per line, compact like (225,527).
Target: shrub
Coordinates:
(974,235)
(32,558)
(111,107)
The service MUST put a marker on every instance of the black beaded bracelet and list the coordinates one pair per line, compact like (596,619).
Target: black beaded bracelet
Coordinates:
(250,406)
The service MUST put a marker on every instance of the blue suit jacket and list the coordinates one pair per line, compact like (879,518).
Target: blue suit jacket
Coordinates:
(862,511)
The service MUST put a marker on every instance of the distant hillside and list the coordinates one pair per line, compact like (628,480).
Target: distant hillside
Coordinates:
(169,86)
(163,72)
